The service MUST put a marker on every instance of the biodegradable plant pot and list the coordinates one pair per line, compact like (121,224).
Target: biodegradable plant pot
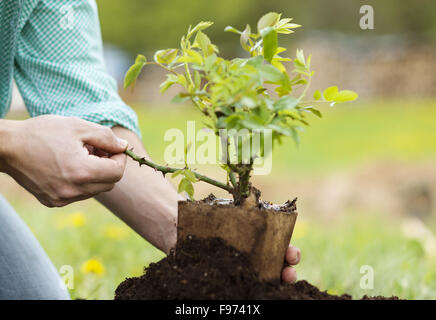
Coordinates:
(263,234)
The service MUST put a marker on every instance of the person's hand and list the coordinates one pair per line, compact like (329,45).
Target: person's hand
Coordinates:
(293,256)
(61,160)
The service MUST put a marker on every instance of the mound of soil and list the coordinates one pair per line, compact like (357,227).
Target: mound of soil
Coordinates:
(210,269)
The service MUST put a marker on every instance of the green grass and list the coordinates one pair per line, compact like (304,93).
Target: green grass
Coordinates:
(333,251)
(334,254)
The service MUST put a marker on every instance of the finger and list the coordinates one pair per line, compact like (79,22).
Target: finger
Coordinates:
(289,275)
(102,138)
(95,151)
(293,255)
(103,170)
(120,158)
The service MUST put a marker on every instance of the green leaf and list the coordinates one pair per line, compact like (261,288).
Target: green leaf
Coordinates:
(191,56)
(197,79)
(180,98)
(256,61)
(165,56)
(268,20)
(172,79)
(270,73)
(269,36)
(275,62)
(134,71)
(283,26)
(141,59)
(204,42)
(345,95)
(199,27)
(317,95)
(280,129)
(300,57)
(209,61)
(245,38)
(285,86)
(330,93)
(190,175)
(314,111)
(231,29)
(186,185)
(295,136)
(285,103)
(254,122)
(176,173)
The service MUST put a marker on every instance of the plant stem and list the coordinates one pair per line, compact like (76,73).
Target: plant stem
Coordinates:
(166,169)
(314,101)
(231,173)
(303,94)
(232,179)
(244,180)
(188,73)
(164,67)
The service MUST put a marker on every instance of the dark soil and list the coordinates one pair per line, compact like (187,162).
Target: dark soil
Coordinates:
(210,269)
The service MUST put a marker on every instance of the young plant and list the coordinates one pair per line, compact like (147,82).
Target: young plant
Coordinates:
(233,94)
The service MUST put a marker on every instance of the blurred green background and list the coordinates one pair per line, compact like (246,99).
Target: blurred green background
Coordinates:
(364,174)
(155,24)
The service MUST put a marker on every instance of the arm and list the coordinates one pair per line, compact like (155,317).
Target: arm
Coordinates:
(61,71)
(143,199)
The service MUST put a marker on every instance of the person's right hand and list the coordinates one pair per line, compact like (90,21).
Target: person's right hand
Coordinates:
(50,156)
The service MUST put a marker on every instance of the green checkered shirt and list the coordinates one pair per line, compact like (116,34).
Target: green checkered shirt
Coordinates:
(53,50)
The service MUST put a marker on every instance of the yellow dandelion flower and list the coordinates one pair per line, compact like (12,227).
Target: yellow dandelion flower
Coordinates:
(93,266)
(116,232)
(300,230)
(77,219)
(71,220)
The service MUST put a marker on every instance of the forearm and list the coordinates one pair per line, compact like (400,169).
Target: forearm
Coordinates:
(143,199)
(6,141)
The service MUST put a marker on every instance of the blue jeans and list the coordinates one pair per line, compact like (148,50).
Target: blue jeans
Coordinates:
(26,272)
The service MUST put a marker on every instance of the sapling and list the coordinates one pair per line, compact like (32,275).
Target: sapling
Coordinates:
(255,93)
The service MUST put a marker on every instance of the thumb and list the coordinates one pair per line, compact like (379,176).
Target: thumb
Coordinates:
(104,138)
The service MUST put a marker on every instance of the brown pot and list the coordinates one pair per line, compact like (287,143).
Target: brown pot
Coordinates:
(263,235)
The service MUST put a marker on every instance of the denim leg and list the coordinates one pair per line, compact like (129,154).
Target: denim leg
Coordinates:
(26,272)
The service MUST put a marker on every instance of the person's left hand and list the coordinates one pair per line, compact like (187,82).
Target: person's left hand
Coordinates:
(293,256)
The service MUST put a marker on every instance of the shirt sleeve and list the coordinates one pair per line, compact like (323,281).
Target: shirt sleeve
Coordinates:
(59,65)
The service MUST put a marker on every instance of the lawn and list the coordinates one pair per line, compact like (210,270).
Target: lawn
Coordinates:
(103,251)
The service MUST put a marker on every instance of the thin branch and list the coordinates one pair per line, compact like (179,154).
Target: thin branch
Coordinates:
(162,66)
(303,94)
(166,169)
(314,101)
(231,174)
(232,178)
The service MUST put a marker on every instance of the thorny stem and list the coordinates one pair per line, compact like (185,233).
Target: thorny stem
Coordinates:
(166,169)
